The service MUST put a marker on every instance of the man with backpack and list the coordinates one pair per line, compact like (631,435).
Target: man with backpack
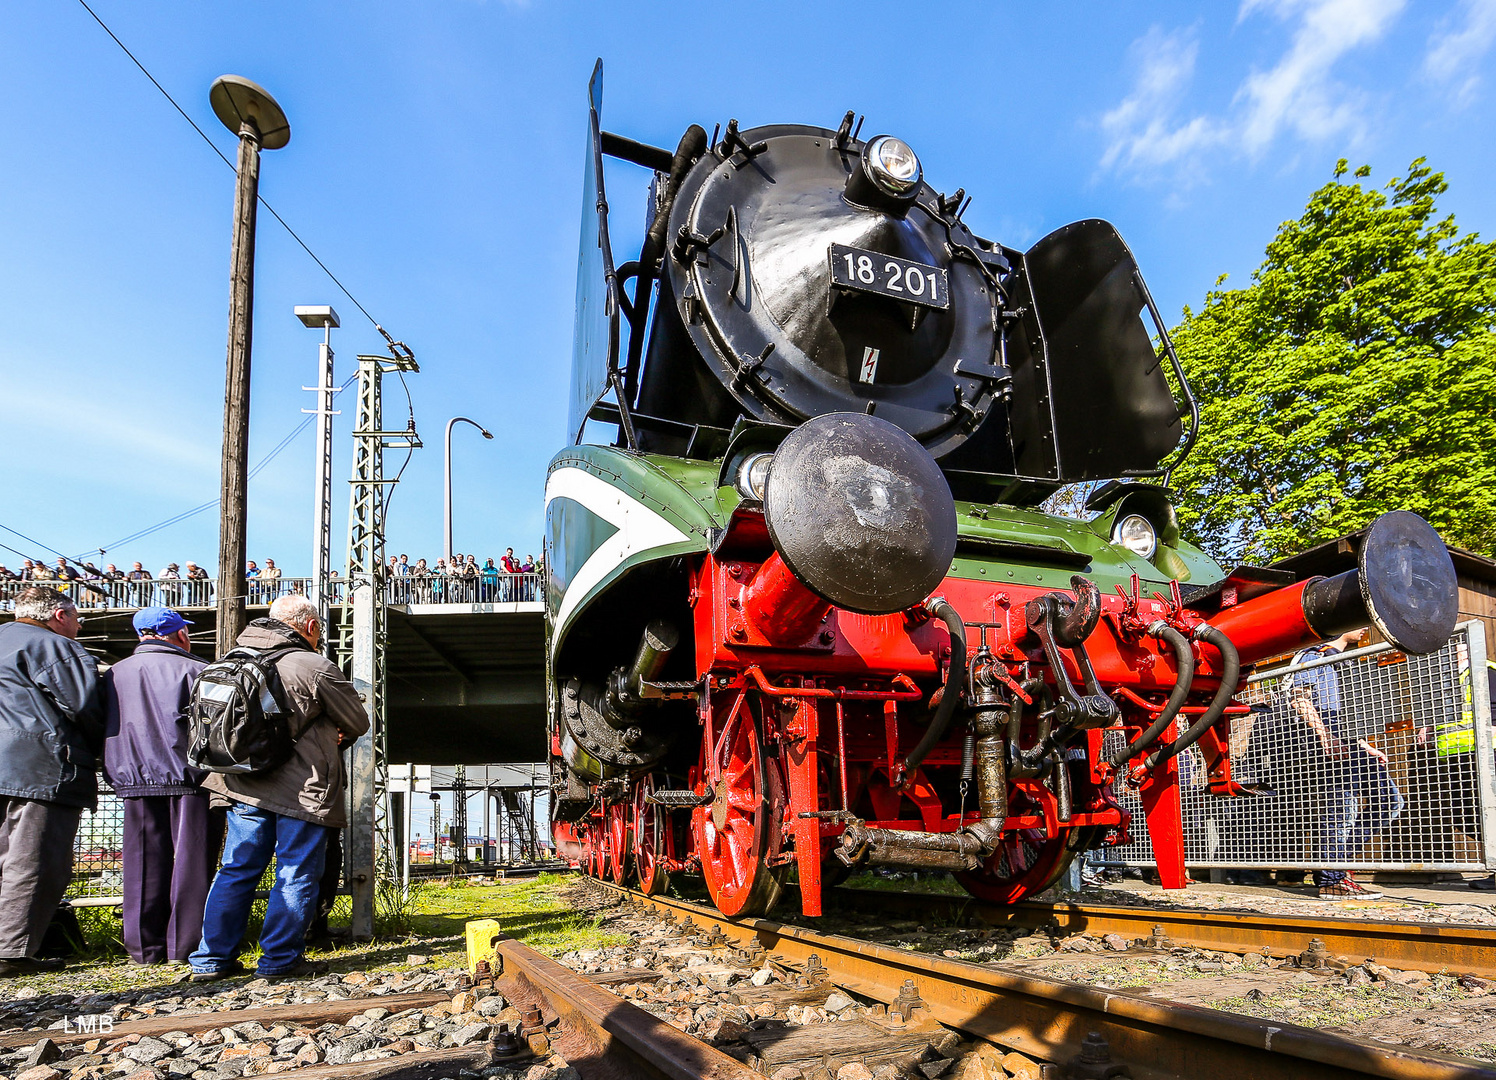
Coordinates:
(282,772)
(169,845)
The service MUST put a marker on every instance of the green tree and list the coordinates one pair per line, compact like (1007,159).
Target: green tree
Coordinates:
(1356,374)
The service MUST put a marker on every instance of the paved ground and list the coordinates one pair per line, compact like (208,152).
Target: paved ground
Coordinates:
(1442,902)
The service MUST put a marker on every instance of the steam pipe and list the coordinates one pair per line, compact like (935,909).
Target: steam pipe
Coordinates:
(1230,675)
(779,606)
(950,696)
(691,146)
(655,645)
(1184,656)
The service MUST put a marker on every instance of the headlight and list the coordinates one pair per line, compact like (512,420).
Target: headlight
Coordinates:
(1136,534)
(753,476)
(892,165)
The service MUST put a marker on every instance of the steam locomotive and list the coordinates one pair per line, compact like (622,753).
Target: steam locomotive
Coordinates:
(804,612)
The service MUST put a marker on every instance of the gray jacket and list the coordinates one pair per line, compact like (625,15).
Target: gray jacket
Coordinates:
(51,717)
(310,785)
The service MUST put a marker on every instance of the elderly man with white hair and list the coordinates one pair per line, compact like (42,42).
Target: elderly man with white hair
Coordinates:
(51,733)
(287,812)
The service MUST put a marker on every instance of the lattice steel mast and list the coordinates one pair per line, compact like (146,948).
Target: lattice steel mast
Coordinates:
(361,644)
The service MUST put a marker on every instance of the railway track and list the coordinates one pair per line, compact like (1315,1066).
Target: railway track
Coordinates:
(1087,1032)
(1431,947)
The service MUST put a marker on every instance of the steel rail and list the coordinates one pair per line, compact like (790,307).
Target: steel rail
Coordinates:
(1049,1018)
(601,1034)
(1431,947)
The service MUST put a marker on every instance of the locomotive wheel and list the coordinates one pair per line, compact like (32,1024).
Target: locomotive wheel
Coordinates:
(650,823)
(597,848)
(739,832)
(617,820)
(1026,863)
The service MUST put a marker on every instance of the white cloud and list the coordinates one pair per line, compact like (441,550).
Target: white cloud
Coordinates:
(1296,95)
(1453,52)
(1143,131)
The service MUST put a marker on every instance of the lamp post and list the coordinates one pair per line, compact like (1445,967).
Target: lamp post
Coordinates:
(447,515)
(314,317)
(248,110)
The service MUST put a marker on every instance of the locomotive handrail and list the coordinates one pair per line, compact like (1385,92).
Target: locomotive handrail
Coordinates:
(1181,452)
(1185,710)
(913,693)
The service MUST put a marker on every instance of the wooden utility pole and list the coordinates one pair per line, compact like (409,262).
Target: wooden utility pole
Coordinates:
(251,113)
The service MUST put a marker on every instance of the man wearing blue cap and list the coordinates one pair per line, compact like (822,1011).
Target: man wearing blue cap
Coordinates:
(168,856)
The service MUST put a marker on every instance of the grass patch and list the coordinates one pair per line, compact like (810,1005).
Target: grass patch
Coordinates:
(938,883)
(536,912)
(1336,1004)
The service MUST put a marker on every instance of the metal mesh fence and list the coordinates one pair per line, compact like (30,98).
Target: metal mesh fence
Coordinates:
(98,860)
(1370,759)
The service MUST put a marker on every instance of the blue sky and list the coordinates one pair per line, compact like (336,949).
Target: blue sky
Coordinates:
(435,164)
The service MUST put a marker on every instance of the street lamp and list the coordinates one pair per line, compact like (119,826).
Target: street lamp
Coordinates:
(324,318)
(447,516)
(248,110)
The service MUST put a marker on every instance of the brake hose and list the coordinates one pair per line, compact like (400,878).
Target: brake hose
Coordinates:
(950,696)
(1230,673)
(1184,657)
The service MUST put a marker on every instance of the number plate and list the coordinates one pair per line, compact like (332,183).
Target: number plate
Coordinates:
(885,275)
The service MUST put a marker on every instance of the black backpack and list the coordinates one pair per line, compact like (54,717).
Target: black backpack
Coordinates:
(239,716)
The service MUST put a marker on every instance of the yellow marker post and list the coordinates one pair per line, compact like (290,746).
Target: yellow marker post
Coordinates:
(481,934)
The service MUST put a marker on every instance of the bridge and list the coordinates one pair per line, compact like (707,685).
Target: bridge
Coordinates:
(464,663)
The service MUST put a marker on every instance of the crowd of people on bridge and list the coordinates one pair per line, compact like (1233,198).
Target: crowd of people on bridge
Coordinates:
(461,580)
(196,843)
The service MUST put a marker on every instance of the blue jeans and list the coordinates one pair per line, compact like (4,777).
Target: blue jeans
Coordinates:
(252,837)
(1363,802)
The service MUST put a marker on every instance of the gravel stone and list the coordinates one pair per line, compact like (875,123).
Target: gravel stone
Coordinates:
(838,1002)
(148,1050)
(40,1072)
(343,1051)
(471,1033)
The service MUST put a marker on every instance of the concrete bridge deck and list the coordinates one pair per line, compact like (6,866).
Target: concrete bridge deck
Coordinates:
(465,681)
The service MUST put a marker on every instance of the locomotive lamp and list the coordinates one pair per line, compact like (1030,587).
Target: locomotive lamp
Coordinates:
(892,165)
(887,176)
(1137,535)
(753,476)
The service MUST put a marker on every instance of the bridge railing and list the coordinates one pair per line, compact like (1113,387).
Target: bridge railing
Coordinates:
(92,594)
(444,589)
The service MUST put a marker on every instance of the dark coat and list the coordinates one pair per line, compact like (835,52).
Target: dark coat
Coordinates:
(51,717)
(145,733)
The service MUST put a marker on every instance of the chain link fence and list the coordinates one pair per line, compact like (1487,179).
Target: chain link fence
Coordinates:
(98,850)
(1365,760)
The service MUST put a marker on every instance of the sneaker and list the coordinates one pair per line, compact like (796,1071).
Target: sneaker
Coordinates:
(12,966)
(228,971)
(302,969)
(1349,889)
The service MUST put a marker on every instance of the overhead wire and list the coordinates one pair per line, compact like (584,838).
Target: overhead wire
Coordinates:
(395,347)
(224,157)
(258,467)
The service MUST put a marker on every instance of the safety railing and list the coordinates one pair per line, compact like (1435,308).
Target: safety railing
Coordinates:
(448,589)
(100,594)
(1369,760)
